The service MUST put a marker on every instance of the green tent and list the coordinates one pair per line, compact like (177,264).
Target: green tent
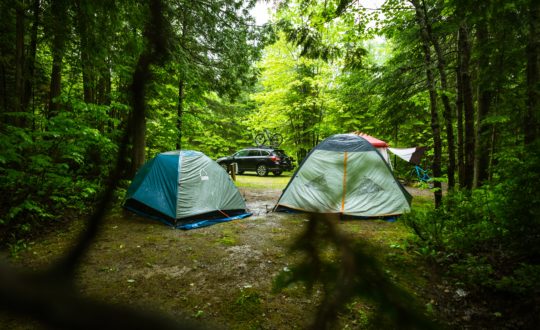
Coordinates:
(185,189)
(345,175)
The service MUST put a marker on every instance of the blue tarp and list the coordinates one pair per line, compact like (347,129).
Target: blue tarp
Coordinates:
(205,223)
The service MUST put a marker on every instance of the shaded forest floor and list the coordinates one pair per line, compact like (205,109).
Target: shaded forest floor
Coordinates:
(222,275)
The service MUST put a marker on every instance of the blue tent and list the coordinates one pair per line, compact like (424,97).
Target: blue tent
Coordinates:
(185,189)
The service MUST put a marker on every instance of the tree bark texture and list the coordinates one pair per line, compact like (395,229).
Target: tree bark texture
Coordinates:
(31,58)
(460,109)
(19,62)
(483,136)
(156,53)
(464,51)
(59,30)
(85,36)
(435,127)
(447,112)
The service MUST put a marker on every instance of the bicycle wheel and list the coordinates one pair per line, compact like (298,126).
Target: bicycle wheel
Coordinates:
(277,139)
(260,139)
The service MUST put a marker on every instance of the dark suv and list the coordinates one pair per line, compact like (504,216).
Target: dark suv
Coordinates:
(260,160)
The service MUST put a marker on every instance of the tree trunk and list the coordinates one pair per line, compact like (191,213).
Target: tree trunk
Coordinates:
(532,121)
(55,86)
(464,50)
(138,116)
(88,70)
(19,62)
(139,145)
(31,58)
(483,135)
(459,109)
(447,113)
(103,90)
(435,127)
(4,89)
(59,30)
(180,113)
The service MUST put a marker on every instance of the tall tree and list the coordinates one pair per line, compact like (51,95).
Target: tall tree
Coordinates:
(465,108)
(31,57)
(422,11)
(59,31)
(430,83)
(483,137)
(156,54)
(19,59)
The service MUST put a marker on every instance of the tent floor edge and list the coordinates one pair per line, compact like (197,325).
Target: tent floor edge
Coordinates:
(209,222)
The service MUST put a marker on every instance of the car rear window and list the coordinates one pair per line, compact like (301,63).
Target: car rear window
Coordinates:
(280,153)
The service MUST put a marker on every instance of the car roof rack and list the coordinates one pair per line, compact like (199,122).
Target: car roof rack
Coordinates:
(261,147)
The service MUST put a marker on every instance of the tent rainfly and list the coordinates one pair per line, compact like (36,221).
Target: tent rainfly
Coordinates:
(345,175)
(411,155)
(380,145)
(185,189)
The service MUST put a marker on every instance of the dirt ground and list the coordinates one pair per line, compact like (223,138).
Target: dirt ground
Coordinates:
(221,275)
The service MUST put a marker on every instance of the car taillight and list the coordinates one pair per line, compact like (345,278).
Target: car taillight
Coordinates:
(274,158)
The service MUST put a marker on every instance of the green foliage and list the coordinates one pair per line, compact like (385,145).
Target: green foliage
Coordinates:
(294,98)
(525,279)
(464,224)
(248,297)
(43,175)
(473,271)
(16,246)
(490,232)
(518,204)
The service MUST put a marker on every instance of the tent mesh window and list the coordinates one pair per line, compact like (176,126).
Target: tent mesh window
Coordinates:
(367,186)
(318,183)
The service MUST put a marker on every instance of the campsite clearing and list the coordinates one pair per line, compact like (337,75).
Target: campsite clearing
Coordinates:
(223,274)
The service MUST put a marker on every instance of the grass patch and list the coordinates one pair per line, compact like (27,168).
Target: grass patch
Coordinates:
(422,202)
(247,309)
(268,182)
(228,237)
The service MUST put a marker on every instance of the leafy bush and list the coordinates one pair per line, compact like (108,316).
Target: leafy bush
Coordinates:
(464,224)
(490,237)
(518,205)
(44,174)
(524,279)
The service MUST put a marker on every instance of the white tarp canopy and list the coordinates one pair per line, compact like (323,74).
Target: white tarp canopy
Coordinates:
(411,155)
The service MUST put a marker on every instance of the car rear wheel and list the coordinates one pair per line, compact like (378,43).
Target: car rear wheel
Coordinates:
(262,170)
(277,173)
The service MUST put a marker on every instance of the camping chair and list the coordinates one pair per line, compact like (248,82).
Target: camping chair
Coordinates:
(422,174)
